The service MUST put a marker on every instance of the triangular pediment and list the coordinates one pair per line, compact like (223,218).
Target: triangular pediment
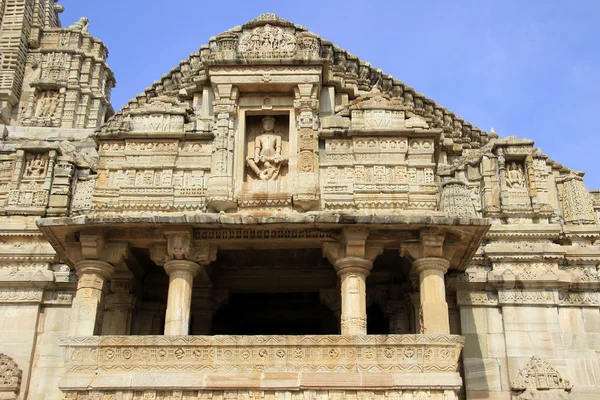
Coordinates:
(271,40)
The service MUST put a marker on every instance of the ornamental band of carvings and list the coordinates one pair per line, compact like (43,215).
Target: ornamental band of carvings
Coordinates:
(392,353)
(255,234)
(302,394)
(21,295)
(476,298)
(526,296)
(579,299)
(538,374)
(10,377)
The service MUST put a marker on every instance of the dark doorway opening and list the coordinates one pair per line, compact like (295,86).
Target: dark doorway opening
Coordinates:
(274,314)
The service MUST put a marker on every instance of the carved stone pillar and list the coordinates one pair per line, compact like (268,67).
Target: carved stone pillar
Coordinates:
(92,275)
(181,278)
(430,262)
(118,308)
(434,309)
(220,183)
(306,106)
(96,261)
(353,260)
(183,262)
(353,273)
(398,314)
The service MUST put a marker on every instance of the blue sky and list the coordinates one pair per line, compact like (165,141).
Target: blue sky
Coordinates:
(528,68)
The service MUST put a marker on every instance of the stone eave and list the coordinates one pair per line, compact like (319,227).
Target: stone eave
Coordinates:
(471,231)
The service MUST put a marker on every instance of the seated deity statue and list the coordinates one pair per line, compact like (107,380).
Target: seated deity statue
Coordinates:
(514,176)
(267,159)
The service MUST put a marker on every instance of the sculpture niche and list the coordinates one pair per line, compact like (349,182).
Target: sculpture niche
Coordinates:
(267,160)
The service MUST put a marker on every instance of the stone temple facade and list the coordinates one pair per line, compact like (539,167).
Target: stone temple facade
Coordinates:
(276,219)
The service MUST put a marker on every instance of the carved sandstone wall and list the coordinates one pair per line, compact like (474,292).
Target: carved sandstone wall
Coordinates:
(350,145)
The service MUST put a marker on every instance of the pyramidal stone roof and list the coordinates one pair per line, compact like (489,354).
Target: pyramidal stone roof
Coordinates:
(271,39)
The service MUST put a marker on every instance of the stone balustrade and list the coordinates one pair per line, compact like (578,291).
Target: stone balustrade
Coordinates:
(244,354)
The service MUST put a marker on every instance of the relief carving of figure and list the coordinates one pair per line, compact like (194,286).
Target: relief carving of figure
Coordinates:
(35,167)
(267,159)
(48,105)
(515,178)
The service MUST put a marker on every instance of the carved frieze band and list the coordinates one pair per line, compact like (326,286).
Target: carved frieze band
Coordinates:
(579,299)
(527,296)
(255,234)
(476,298)
(261,394)
(21,295)
(393,353)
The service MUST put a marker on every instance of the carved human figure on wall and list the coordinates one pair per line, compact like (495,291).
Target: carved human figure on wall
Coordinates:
(267,159)
(48,104)
(515,178)
(35,167)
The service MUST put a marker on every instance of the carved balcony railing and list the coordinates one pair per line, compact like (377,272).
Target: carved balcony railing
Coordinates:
(242,354)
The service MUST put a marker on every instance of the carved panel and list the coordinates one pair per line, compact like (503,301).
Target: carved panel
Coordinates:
(539,375)
(577,202)
(10,377)
(456,200)
(259,394)
(265,353)
(268,42)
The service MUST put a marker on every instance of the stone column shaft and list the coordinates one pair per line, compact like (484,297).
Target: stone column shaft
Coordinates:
(92,276)
(181,279)
(434,309)
(353,272)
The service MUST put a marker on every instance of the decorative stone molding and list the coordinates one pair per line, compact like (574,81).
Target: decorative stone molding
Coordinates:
(424,393)
(21,295)
(527,296)
(262,234)
(472,298)
(313,353)
(10,378)
(456,200)
(539,375)
(579,299)
(576,201)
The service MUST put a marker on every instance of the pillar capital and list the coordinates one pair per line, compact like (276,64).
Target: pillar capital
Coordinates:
(431,263)
(93,246)
(182,266)
(432,243)
(180,246)
(99,268)
(179,243)
(353,265)
(352,247)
